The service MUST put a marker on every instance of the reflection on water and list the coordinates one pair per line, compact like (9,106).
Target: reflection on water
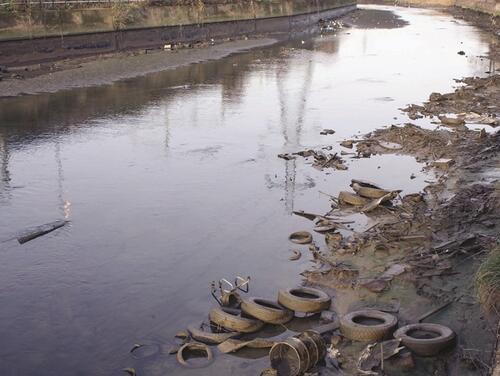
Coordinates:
(173,181)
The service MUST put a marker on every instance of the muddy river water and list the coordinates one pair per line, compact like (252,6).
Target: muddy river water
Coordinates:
(172,180)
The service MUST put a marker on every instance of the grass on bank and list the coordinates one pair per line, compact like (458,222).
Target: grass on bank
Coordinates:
(488,282)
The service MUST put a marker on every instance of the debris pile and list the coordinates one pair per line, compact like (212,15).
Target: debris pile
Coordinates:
(330,26)
(423,143)
(235,322)
(323,160)
(420,239)
(367,196)
(476,102)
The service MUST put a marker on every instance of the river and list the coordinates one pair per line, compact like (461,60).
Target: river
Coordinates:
(172,180)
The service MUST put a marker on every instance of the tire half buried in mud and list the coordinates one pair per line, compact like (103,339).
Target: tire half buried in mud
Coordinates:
(439,338)
(304,299)
(266,310)
(231,319)
(377,325)
(208,337)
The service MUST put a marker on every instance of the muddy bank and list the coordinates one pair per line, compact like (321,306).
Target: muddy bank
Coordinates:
(490,8)
(424,248)
(101,70)
(482,20)
(36,65)
(373,19)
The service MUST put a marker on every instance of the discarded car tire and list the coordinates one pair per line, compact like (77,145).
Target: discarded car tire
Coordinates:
(207,337)
(304,299)
(231,319)
(351,327)
(197,348)
(426,346)
(266,310)
(352,199)
(301,237)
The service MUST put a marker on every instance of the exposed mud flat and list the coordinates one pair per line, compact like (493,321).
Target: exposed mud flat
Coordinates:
(108,69)
(423,249)
(373,19)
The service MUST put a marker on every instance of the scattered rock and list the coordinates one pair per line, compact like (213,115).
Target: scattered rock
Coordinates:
(347,144)
(325,132)
(452,121)
(286,156)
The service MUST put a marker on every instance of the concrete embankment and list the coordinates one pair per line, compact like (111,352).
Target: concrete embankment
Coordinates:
(38,35)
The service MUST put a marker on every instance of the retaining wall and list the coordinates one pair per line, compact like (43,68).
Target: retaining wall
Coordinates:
(41,48)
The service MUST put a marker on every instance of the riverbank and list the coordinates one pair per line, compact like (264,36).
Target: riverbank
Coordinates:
(103,69)
(438,238)
(487,7)
(424,248)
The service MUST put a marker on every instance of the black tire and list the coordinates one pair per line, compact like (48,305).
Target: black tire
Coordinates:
(266,310)
(426,346)
(304,299)
(363,332)
(231,319)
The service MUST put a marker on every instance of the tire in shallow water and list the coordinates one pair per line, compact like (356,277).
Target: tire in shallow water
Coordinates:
(231,319)
(194,347)
(266,310)
(208,337)
(301,237)
(426,346)
(356,331)
(304,299)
